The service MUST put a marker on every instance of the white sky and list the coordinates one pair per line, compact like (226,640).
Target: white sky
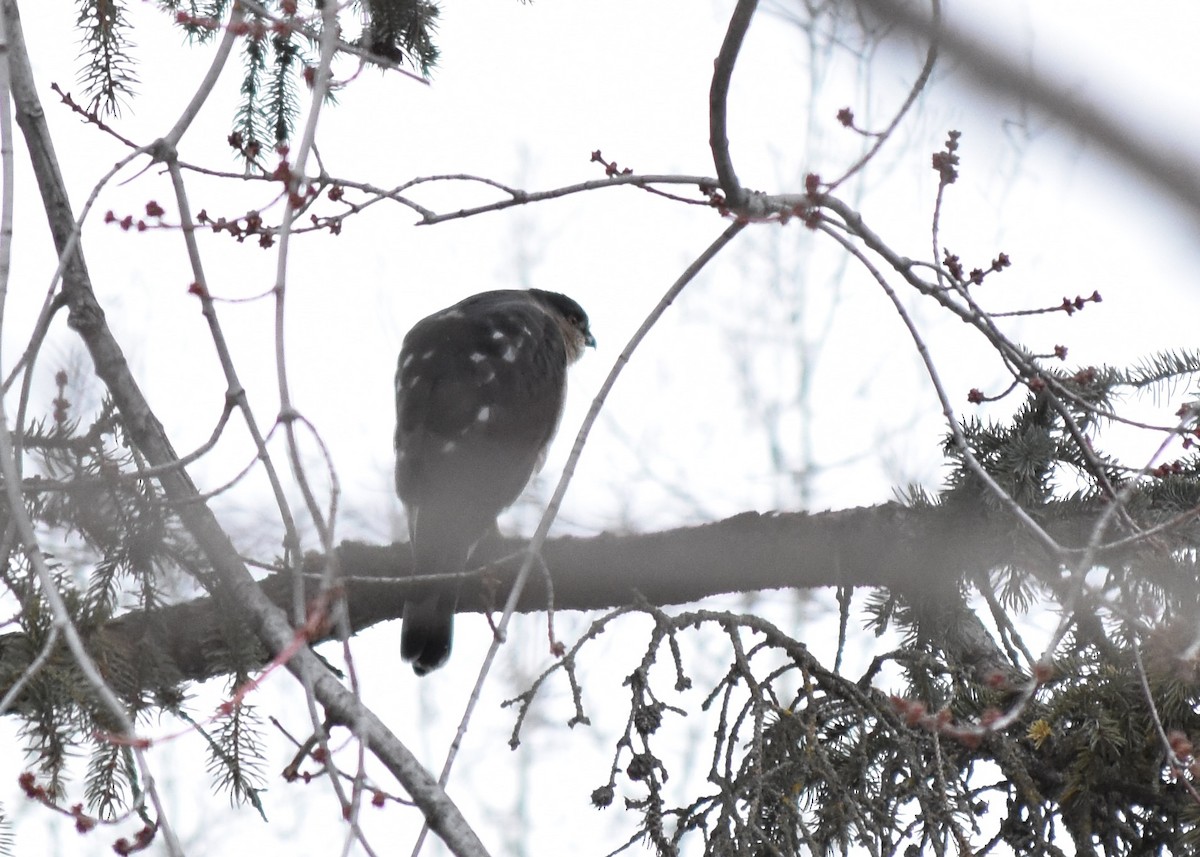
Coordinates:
(523,94)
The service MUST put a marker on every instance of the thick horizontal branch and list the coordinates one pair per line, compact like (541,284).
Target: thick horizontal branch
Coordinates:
(922,551)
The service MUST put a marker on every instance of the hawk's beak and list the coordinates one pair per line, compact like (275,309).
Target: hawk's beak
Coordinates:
(589,340)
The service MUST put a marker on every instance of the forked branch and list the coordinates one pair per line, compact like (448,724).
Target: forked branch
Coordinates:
(87,319)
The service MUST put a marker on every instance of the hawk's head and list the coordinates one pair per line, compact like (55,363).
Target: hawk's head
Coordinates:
(571,319)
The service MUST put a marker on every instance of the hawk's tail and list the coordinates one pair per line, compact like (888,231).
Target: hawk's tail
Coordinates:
(427,631)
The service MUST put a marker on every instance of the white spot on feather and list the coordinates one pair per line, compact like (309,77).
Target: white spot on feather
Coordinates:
(510,354)
(478,357)
(408,358)
(485,414)
(427,354)
(449,446)
(498,334)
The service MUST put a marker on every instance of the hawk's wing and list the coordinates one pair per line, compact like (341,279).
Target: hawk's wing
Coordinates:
(479,393)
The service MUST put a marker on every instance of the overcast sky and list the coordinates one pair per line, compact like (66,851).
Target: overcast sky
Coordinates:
(524,94)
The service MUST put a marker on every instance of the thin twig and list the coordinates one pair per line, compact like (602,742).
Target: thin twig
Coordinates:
(236,392)
(960,440)
(50,304)
(1178,767)
(295,199)
(13,52)
(560,490)
(43,656)
(146,433)
(519,197)
(343,47)
(917,88)
(205,87)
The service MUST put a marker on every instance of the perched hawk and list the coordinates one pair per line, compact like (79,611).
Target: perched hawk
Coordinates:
(479,393)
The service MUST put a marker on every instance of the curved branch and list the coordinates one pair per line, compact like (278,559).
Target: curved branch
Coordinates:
(267,620)
(718,96)
(915,90)
(533,553)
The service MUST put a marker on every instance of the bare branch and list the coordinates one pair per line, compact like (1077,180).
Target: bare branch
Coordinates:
(343,47)
(1052,547)
(87,318)
(929,551)
(520,197)
(917,88)
(10,39)
(718,96)
(293,202)
(171,140)
(532,555)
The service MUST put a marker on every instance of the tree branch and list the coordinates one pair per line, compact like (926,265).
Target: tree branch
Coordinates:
(267,620)
(918,552)
(718,96)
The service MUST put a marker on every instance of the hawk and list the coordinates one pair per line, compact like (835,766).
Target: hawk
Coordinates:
(480,388)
